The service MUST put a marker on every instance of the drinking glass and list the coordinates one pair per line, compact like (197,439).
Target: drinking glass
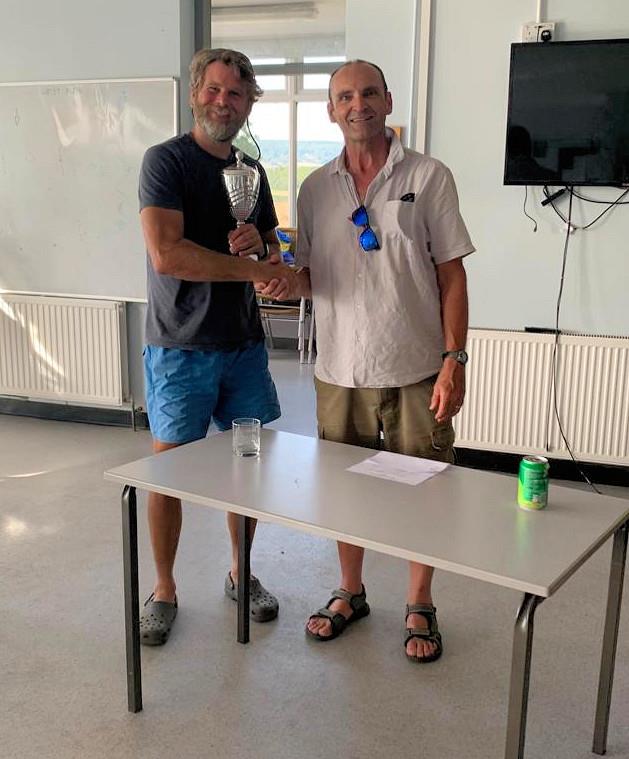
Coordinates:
(246,436)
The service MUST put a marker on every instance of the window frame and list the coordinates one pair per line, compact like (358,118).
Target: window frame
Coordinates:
(293,94)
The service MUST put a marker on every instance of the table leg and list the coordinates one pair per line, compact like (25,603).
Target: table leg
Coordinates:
(520,674)
(244,569)
(610,639)
(311,332)
(301,331)
(131,598)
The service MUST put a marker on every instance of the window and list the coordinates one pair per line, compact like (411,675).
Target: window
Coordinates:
(290,123)
(294,47)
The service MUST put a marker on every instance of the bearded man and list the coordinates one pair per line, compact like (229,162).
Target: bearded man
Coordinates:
(204,354)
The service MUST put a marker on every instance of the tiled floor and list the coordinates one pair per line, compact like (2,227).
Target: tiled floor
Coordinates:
(62,667)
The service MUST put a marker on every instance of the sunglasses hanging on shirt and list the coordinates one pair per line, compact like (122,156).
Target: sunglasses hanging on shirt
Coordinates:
(367,238)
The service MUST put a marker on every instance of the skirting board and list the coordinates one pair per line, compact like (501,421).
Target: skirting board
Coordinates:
(62,412)
(560,469)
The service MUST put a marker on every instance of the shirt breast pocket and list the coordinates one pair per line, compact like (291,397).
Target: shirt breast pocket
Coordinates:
(399,218)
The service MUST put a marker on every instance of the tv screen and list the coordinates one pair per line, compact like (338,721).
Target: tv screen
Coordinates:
(568,115)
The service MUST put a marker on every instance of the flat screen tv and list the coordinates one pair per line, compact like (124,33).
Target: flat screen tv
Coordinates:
(568,115)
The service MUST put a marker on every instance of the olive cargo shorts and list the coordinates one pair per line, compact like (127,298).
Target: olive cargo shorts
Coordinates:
(358,415)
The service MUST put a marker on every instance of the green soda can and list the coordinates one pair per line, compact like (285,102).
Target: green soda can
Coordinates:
(533,483)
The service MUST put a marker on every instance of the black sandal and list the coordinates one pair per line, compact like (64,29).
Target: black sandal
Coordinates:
(430,633)
(360,609)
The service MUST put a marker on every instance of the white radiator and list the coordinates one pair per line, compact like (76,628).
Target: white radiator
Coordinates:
(64,349)
(509,404)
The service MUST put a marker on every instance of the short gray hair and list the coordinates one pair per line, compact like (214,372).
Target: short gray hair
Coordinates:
(239,61)
(350,63)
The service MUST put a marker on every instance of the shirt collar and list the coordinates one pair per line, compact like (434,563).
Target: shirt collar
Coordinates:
(396,154)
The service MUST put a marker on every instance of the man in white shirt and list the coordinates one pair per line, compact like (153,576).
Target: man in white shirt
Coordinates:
(381,241)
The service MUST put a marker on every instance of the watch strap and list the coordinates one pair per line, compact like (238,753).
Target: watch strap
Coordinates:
(458,355)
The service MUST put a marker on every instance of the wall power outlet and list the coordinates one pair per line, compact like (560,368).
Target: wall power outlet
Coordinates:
(535,32)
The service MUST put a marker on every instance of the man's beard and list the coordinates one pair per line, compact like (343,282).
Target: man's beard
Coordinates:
(218,132)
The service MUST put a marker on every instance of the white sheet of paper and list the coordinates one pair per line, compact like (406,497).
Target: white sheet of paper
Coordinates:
(399,468)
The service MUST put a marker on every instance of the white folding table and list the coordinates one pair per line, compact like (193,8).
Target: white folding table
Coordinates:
(462,520)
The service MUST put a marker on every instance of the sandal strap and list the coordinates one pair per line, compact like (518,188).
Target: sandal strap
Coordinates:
(324,613)
(429,613)
(420,609)
(419,632)
(337,621)
(356,601)
(344,595)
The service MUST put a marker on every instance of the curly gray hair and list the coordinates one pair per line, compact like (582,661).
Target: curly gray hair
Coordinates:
(203,58)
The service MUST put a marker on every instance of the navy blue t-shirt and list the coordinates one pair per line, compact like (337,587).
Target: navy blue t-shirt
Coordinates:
(180,175)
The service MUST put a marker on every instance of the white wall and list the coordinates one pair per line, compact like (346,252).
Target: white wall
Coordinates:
(109,39)
(384,32)
(514,276)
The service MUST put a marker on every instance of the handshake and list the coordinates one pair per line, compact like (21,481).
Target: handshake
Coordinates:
(271,278)
(275,280)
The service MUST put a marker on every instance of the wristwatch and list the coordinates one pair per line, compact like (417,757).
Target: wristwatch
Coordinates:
(265,250)
(458,355)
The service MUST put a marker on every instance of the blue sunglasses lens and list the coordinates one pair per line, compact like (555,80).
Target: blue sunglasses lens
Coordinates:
(368,240)
(360,217)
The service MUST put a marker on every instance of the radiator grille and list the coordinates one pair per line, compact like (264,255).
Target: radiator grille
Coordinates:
(64,349)
(509,404)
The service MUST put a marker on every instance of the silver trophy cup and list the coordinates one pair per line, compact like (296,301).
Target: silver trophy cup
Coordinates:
(242,183)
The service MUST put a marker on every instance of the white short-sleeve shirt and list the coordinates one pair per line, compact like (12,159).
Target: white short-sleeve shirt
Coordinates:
(378,313)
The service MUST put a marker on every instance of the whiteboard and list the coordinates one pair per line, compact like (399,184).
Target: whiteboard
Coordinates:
(70,154)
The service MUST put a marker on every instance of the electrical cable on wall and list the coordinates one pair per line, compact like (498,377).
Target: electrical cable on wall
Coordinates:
(526,213)
(555,360)
(550,200)
(617,202)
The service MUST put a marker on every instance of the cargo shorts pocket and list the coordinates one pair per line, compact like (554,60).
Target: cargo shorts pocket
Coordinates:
(437,445)
(442,438)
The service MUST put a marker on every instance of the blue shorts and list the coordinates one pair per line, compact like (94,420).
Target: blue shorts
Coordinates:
(187,389)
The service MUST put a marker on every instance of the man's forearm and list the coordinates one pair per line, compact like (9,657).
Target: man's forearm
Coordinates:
(191,262)
(454,308)
(454,317)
